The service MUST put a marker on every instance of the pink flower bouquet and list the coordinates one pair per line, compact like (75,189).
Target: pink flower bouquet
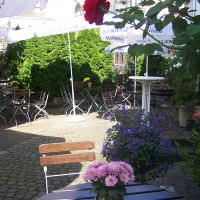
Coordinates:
(108,179)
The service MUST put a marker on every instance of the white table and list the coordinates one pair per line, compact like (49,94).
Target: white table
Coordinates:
(146,82)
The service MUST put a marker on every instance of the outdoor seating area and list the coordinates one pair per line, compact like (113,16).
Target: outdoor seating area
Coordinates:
(103,99)
(17,102)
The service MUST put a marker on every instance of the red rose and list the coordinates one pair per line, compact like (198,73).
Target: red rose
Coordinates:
(95,10)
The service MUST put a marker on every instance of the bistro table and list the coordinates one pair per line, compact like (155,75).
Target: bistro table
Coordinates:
(134,191)
(146,82)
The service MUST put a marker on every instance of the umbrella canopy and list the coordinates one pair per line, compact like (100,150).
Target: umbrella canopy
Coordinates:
(19,7)
(130,35)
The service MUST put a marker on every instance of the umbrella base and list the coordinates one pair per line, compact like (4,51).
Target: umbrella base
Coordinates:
(74,118)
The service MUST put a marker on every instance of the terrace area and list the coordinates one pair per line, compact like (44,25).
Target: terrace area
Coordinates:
(21,176)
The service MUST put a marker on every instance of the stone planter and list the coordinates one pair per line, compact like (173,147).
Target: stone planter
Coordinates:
(182,117)
(89,84)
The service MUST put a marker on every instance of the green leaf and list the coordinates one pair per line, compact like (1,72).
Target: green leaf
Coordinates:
(193,29)
(109,23)
(159,25)
(136,50)
(154,9)
(173,9)
(156,47)
(168,19)
(145,32)
(184,12)
(150,48)
(120,25)
(147,3)
(138,25)
(179,25)
(180,40)
(179,3)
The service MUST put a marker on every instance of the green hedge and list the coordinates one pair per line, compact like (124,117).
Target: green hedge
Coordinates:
(41,62)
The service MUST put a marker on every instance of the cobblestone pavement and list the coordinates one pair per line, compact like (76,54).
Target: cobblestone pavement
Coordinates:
(21,177)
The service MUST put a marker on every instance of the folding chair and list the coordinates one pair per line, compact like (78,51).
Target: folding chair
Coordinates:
(40,105)
(108,105)
(67,97)
(59,157)
(21,103)
(2,115)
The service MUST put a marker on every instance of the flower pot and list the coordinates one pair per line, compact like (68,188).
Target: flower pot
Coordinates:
(119,197)
(182,117)
(89,84)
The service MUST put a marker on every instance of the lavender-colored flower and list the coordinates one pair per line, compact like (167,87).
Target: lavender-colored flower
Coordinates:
(111,181)
(138,139)
(109,117)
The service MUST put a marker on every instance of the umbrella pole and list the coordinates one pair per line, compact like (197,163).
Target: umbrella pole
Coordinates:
(147,65)
(74,117)
(72,81)
(134,102)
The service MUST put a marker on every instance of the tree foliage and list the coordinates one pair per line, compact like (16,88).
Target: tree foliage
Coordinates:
(41,62)
(185,25)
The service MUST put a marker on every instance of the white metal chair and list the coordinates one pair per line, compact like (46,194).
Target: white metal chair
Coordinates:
(67,98)
(62,153)
(108,105)
(40,105)
(21,103)
(2,115)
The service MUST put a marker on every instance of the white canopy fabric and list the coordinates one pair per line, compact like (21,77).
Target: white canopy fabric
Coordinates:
(16,7)
(46,17)
(47,28)
(130,35)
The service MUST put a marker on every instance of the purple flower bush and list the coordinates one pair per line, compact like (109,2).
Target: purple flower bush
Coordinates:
(108,178)
(138,140)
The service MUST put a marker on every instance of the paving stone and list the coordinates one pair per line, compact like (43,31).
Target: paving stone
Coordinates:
(19,196)
(10,194)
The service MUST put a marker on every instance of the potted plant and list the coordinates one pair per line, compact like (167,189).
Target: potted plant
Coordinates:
(87,81)
(185,84)
(14,83)
(138,140)
(108,179)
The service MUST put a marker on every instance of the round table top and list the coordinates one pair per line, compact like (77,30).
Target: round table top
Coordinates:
(147,78)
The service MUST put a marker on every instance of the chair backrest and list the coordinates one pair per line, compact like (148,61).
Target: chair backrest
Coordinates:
(22,95)
(64,153)
(65,93)
(78,84)
(44,95)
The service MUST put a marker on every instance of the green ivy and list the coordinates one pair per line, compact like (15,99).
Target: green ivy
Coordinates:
(41,62)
